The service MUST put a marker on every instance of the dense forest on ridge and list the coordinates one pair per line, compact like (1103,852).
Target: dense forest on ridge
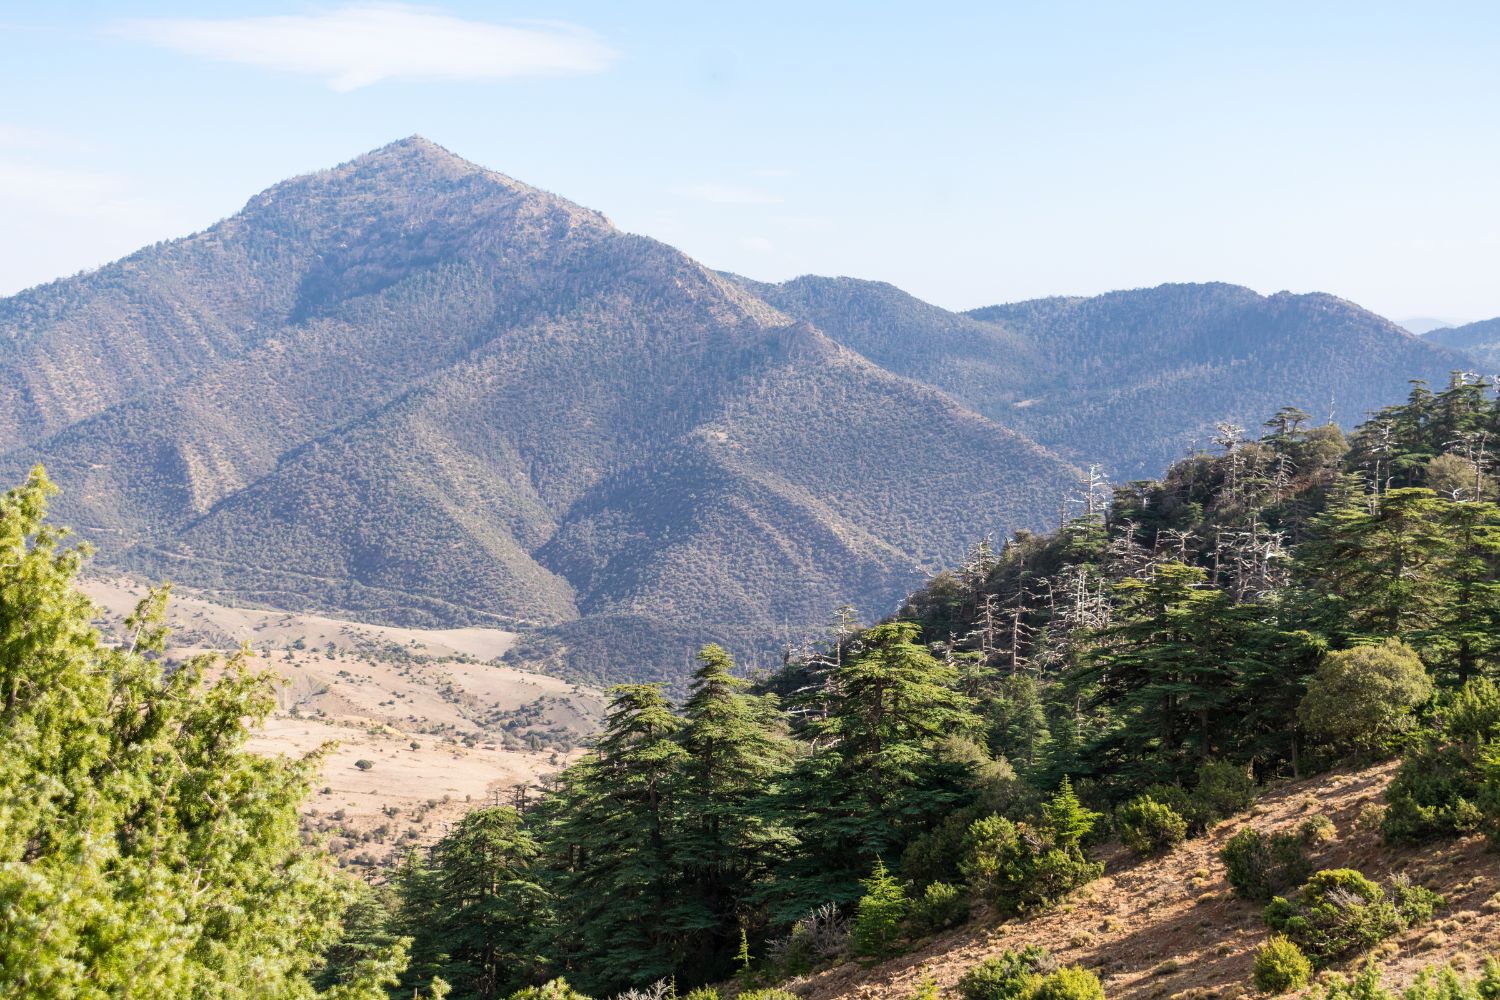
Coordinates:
(1285,602)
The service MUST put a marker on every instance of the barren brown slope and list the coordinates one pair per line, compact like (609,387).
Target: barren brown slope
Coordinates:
(1169,927)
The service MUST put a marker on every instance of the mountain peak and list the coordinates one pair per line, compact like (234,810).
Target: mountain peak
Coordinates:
(416,147)
(417,154)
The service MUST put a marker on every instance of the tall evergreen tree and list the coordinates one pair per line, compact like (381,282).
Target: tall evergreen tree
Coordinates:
(1466,635)
(1375,569)
(1166,671)
(737,752)
(481,906)
(876,780)
(614,833)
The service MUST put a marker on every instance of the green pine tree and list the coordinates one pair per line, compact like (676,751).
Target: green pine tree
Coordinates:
(883,907)
(736,753)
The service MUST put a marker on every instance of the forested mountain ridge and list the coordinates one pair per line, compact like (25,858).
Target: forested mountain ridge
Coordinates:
(1129,380)
(1480,341)
(1102,746)
(463,399)
(416,390)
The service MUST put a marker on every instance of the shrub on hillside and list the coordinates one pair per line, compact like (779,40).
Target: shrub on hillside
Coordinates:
(1223,789)
(1011,975)
(1440,789)
(1280,966)
(1017,866)
(1021,865)
(770,993)
(1258,866)
(934,856)
(1149,827)
(1317,829)
(927,990)
(1339,912)
(939,907)
(1220,790)
(1072,983)
(1358,699)
(1440,984)
(1415,903)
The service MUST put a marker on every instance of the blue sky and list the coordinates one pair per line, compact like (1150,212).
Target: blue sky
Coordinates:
(968,152)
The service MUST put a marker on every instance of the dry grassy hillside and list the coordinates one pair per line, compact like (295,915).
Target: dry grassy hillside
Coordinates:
(1170,928)
(441,726)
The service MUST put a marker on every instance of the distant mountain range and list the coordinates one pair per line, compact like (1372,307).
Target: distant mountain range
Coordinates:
(1479,341)
(1424,324)
(418,391)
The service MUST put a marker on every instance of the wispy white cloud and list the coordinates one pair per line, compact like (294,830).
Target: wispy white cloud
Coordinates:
(728,194)
(757,243)
(358,45)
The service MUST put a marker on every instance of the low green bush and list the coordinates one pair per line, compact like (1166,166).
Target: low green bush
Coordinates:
(939,907)
(1220,790)
(1149,827)
(1431,984)
(1316,830)
(705,993)
(1011,975)
(1435,794)
(1441,788)
(1340,912)
(770,993)
(1223,789)
(1072,983)
(1280,967)
(1017,866)
(1414,903)
(1259,866)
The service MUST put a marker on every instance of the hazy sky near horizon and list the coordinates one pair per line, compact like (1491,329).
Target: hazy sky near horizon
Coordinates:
(970,153)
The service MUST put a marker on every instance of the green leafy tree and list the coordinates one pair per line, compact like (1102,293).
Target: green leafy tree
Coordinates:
(143,851)
(1361,697)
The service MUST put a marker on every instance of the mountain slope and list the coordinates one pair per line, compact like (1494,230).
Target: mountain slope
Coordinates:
(463,399)
(1131,379)
(1146,373)
(1479,341)
(1170,926)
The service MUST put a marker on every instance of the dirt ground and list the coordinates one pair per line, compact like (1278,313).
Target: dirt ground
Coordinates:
(1169,927)
(439,726)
